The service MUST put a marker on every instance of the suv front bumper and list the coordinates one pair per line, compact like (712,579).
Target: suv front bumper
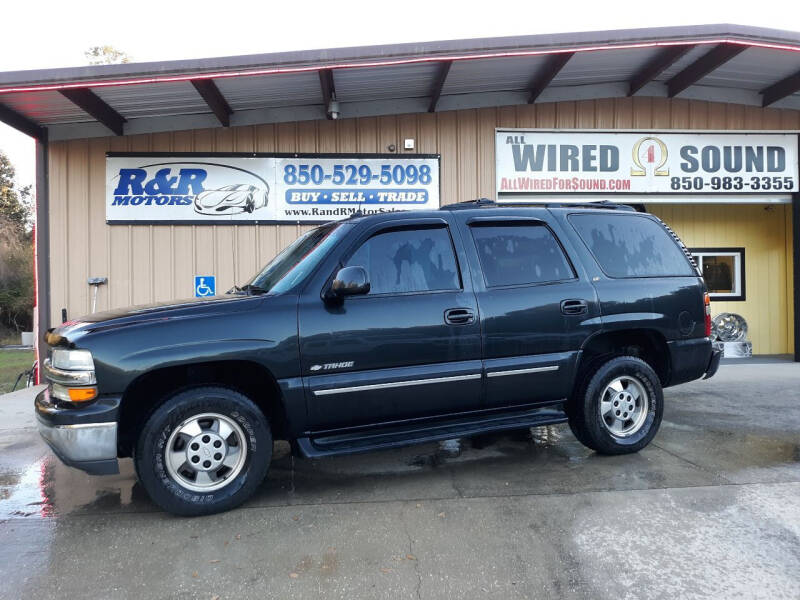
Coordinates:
(84,438)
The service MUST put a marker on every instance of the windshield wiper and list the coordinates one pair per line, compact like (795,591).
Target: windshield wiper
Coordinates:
(252,289)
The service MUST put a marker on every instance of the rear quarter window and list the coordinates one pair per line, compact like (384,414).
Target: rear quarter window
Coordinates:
(631,245)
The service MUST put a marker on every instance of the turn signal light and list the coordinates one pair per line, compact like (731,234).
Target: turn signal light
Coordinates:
(82,394)
(707,302)
(73,394)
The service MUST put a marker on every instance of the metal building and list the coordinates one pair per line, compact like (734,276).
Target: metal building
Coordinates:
(712,114)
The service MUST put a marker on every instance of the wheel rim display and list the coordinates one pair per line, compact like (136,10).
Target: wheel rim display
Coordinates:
(729,327)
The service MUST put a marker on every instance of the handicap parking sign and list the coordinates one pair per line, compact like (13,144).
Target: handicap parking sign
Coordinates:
(205,285)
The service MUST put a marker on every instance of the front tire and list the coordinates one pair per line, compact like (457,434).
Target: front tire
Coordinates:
(205,450)
(619,406)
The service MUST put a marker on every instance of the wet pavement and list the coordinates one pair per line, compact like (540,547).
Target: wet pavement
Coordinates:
(711,509)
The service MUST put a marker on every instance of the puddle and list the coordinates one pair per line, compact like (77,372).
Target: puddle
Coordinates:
(48,488)
(501,444)
(24,494)
(542,458)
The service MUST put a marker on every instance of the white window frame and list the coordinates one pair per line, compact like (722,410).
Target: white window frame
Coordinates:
(738,293)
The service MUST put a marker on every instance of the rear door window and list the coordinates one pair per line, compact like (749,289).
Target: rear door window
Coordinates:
(631,245)
(519,254)
(409,260)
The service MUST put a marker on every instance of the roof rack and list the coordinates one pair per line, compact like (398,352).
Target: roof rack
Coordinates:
(477,203)
(604,204)
(486,203)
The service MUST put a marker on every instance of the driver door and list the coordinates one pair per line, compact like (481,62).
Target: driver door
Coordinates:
(409,348)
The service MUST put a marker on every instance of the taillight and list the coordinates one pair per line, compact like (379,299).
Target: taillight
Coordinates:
(707,303)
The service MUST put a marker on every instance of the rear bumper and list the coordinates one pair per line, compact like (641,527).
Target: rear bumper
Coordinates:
(84,438)
(713,364)
(689,359)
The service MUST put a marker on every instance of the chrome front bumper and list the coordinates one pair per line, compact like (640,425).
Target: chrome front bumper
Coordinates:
(90,446)
(79,443)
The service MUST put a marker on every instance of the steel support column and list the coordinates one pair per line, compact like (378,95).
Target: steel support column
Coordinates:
(42,247)
(796,271)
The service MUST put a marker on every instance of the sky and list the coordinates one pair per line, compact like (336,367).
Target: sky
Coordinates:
(47,34)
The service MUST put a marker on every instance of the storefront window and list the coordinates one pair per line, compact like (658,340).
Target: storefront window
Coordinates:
(723,271)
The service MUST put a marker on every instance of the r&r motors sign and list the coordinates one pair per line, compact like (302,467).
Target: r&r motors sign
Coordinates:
(538,161)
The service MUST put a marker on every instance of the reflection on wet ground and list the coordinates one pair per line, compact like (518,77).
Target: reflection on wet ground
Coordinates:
(709,440)
(536,461)
(26,494)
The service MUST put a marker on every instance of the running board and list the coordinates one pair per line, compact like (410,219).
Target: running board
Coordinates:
(395,436)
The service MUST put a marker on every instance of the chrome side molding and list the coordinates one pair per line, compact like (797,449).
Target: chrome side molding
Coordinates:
(522,371)
(395,384)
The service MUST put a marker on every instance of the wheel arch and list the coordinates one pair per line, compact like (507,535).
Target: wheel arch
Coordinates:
(646,343)
(150,389)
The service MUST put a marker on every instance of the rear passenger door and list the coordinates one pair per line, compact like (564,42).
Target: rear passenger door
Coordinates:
(537,307)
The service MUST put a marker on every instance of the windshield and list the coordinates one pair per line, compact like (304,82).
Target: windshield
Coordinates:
(297,260)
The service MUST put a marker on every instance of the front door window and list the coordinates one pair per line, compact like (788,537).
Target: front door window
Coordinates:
(409,260)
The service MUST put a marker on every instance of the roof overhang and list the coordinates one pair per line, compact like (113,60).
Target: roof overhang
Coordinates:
(726,63)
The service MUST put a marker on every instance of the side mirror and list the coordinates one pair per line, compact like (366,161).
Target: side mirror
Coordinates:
(350,281)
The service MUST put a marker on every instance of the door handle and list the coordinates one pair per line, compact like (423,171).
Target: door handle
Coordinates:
(574,307)
(459,316)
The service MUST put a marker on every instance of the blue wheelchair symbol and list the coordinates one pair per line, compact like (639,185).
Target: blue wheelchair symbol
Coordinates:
(205,285)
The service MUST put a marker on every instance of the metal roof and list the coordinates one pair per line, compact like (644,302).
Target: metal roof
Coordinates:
(727,63)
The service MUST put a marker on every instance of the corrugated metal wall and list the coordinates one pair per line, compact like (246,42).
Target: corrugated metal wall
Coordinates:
(148,263)
(765,232)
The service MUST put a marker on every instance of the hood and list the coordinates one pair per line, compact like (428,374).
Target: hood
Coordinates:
(67,332)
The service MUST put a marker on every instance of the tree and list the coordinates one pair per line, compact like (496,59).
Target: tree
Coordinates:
(15,203)
(106,55)
(16,277)
(16,252)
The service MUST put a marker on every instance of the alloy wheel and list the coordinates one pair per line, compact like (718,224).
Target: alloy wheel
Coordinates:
(205,452)
(624,406)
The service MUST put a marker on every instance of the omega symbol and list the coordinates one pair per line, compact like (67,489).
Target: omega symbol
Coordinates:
(649,153)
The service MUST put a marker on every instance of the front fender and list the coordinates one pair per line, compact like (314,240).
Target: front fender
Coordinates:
(266,336)
(173,355)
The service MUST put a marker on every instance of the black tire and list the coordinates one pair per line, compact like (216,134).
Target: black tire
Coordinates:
(577,430)
(150,452)
(586,421)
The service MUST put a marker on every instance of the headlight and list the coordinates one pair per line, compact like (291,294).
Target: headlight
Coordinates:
(72,360)
(71,375)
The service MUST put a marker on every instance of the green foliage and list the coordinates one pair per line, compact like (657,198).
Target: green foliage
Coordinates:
(12,363)
(106,55)
(15,203)
(16,252)
(16,277)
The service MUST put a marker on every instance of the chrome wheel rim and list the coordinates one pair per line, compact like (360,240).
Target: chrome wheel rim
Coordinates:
(205,452)
(624,406)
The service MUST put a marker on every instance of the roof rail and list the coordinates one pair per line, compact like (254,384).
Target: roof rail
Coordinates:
(604,204)
(477,203)
(486,203)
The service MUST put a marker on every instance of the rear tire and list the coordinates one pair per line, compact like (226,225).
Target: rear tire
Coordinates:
(205,450)
(618,407)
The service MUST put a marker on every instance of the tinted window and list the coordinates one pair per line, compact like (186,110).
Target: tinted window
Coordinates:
(631,245)
(298,259)
(408,260)
(519,254)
